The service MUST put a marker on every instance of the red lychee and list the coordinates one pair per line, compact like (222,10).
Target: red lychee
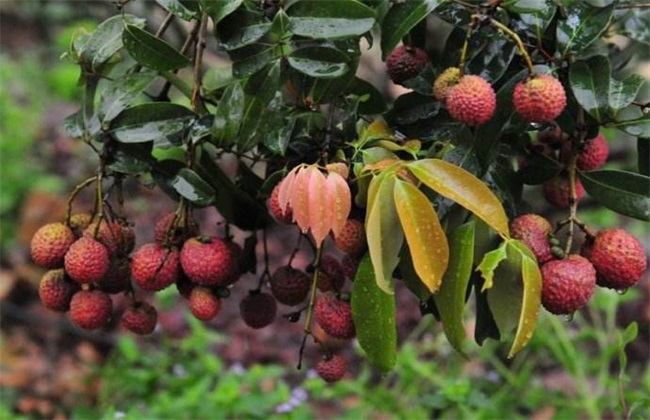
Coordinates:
(117,278)
(209,262)
(350,264)
(444,82)
(91,309)
(203,304)
(111,234)
(290,286)
(619,258)
(334,316)
(50,244)
(154,268)
(79,222)
(182,232)
(568,284)
(533,231)
(55,290)
(540,98)
(594,155)
(556,191)
(472,101)
(258,309)
(140,318)
(405,63)
(87,260)
(332,369)
(352,238)
(330,275)
(273,203)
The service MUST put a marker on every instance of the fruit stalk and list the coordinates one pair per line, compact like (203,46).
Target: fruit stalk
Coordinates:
(310,308)
(463,53)
(515,37)
(74,194)
(197,102)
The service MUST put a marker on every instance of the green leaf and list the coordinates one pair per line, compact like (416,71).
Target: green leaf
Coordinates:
(539,168)
(412,107)
(426,239)
(455,183)
(150,122)
(106,40)
(486,327)
(643,151)
(251,59)
(228,116)
(178,9)
(241,28)
(319,62)
(372,100)
(583,25)
(265,83)
(400,19)
(330,19)
(493,59)
(626,193)
(625,338)
(259,119)
(191,186)
(373,312)
(638,127)
(505,297)
(219,9)
(384,233)
(623,92)
(590,85)
(152,52)
(132,159)
(450,299)
(489,264)
(636,27)
(120,94)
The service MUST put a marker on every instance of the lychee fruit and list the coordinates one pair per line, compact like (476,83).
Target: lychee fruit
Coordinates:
(619,258)
(87,260)
(182,232)
(568,284)
(56,290)
(472,101)
(539,99)
(556,191)
(79,222)
(273,203)
(330,275)
(352,238)
(140,318)
(594,155)
(289,285)
(334,316)
(208,262)
(258,309)
(203,304)
(117,278)
(405,63)
(444,82)
(332,369)
(50,244)
(350,264)
(110,234)
(91,309)
(154,268)
(533,231)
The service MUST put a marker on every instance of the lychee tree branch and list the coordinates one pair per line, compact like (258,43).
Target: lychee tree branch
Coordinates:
(463,53)
(310,309)
(74,194)
(520,45)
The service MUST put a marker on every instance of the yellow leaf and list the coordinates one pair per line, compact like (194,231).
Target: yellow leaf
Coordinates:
(318,206)
(378,129)
(424,235)
(461,186)
(339,201)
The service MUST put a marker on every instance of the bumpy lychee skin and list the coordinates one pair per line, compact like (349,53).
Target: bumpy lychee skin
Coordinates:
(619,258)
(87,260)
(352,238)
(203,304)
(258,309)
(350,264)
(533,231)
(140,318)
(111,234)
(180,234)
(568,284)
(556,191)
(334,316)
(208,263)
(594,155)
(117,278)
(91,309)
(332,369)
(405,63)
(289,285)
(275,210)
(79,222)
(540,98)
(56,291)
(472,101)
(154,268)
(444,82)
(50,244)
(330,275)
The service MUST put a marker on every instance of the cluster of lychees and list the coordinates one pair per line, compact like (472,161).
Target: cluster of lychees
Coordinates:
(612,258)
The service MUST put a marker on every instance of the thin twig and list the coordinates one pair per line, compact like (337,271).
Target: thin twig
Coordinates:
(310,309)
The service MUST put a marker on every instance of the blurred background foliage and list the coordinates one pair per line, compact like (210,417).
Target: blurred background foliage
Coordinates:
(594,366)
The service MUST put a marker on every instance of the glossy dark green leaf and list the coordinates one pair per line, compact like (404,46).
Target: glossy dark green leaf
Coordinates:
(372,101)
(219,9)
(251,59)
(152,52)
(164,173)
(583,25)
(411,107)
(526,6)
(178,9)
(228,115)
(637,127)
(373,312)
(319,62)
(589,81)
(241,28)
(74,125)
(280,28)
(150,122)
(122,93)
(278,140)
(330,19)
(201,129)
(493,59)
(626,193)
(623,92)
(259,119)
(106,40)
(400,19)
(636,27)
(132,158)
(191,186)
(505,297)
(265,83)
(538,168)
(450,299)
(534,22)
(643,155)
